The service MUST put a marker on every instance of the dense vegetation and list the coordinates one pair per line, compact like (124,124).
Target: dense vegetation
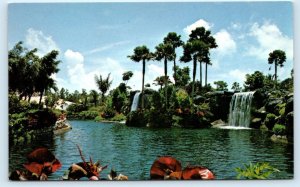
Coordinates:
(186,102)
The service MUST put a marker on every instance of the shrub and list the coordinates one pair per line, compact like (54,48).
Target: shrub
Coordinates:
(270,120)
(260,170)
(119,117)
(98,118)
(108,113)
(90,115)
(279,129)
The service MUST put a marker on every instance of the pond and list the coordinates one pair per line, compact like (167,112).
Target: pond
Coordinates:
(131,151)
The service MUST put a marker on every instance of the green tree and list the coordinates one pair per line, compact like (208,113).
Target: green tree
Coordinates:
(201,34)
(141,53)
(48,66)
(277,57)
(183,76)
(160,81)
(221,85)
(126,76)
(84,97)
(103,84)
(94,97)
(236,87)
(254,81)
(165,52)
(62,93)
(174,40)
(194,50)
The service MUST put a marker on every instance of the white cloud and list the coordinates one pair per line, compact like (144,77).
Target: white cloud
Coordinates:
(226,45)
(37,39)
(238,75)
(199,23)
(106,47)
(269,38)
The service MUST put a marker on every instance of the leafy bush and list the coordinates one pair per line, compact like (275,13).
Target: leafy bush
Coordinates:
(76,108)
(279,129)
(90,115)
(270,120)
(118,117)
(98,118)
(260,170)
(108,113)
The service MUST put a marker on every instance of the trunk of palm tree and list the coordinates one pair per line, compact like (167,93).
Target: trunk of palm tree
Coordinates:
(166,81)
(205,74)
(275,86)
(200,75)
(102,97)
(194,76)
(174,70)
(41,96)
(144,64)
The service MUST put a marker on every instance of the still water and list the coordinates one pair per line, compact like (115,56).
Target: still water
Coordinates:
(131,151)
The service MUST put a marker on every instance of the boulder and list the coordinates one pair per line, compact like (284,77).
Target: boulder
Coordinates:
(279,139)
(256,123)
(271,105)
(289,107)
(218,123)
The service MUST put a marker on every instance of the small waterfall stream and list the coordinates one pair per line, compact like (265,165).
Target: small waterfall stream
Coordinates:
(240,109)
(135,102)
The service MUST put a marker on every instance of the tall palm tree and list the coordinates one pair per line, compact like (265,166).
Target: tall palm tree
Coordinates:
(94,97)
(194,50)
(48,66)
(174,40)
(141,53)
(207,62)
(201,34)
(277,57)
(103,84)
(165,52)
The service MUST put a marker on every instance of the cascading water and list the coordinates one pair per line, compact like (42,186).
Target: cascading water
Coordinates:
(135,102)
(240,109)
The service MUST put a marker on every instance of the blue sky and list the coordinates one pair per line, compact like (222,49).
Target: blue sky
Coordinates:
(96,38)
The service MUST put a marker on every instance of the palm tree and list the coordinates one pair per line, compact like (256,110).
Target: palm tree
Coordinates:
(126,76)
(48,66)
(200,34)
(103,84)
(141,53)
(165,52)
(277,57)
(194,50)
(174,40)
(94,97)
(207,61)
(160,81)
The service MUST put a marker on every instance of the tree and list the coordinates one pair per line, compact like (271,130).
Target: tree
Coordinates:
(277,57)
(201,34)
(48,66)
(254,81)
(236,87)
(174,40)
(183,76)
(221,85)
(84,97)
(103,84)
(194,50)
(160,81)
(94,97)
(141,53)
(126,76)
(62,93)
(165,52)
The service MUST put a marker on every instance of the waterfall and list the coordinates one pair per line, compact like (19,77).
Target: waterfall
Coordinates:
(135,102)
(240,109)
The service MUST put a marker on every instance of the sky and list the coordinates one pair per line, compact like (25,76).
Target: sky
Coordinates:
(96,38)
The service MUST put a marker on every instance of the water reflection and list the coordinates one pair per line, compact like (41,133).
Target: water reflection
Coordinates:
(131,151)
